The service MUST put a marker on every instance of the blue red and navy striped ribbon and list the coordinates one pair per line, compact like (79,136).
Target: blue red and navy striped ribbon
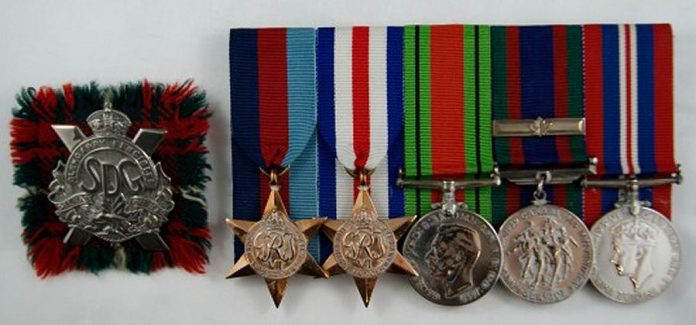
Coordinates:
(629,103)
(272,95)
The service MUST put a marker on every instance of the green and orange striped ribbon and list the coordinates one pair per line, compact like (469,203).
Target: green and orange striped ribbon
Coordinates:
(447,111)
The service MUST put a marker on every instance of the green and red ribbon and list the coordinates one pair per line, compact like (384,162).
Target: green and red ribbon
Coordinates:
(447,111)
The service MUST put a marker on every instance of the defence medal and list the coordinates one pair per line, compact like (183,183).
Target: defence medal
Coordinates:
(359,82)
(449,162)
(109,187)
(630,129)
(273,120)
(547,250)
(455,251)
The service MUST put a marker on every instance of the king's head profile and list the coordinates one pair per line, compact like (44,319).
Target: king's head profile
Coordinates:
(633,243)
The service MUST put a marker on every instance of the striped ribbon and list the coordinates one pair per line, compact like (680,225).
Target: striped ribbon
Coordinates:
(447,108)
(629,107)
(360,117)
(537,72)
(272,95)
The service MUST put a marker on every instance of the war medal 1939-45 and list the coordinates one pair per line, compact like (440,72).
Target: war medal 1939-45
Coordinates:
(547,250)
(637,250)
(455,251)
(109,187)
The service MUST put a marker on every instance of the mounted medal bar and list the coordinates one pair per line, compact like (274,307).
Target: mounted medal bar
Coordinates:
(491,126)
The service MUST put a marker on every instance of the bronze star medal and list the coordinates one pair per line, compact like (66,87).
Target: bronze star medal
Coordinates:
(365,246)
(275,247)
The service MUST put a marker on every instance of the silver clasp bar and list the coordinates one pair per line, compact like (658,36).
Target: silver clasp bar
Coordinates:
(553,175)
(448,184)
(632,181)
(539,127)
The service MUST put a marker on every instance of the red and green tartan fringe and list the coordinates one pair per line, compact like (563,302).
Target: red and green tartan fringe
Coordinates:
(181,109)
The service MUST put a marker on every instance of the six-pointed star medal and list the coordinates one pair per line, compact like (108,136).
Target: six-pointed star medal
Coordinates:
(365,246)
(275,247)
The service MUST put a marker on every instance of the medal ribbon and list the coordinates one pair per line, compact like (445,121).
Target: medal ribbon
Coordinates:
(629,107)
(272,95)
(360,117)
(537,72)
(447,111)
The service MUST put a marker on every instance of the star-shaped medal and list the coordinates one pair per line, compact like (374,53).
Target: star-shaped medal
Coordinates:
(275,247)
(365,246)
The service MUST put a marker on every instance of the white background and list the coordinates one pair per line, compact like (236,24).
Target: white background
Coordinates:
(52,42)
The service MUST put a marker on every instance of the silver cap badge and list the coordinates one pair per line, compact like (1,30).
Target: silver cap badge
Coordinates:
(109,187)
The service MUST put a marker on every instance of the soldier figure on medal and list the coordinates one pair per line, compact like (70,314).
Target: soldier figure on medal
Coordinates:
(548,251)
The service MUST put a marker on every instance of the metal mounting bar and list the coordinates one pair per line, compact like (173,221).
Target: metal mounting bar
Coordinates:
(631,181)
(449,184)
(554,175)
(539,127)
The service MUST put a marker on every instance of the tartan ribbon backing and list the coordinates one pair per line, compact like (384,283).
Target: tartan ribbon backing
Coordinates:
(36,149)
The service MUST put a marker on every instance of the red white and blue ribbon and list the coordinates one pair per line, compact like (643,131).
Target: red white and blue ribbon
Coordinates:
(272,95)
(360,116)
(629,108)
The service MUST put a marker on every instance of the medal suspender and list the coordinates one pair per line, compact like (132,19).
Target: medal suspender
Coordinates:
(359,76)
(273,120)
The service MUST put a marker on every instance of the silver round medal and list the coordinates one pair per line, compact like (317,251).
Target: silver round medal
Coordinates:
(637,255)
(457,256)
(547,253)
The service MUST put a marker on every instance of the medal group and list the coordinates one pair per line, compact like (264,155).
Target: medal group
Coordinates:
(500,144)
(458,155)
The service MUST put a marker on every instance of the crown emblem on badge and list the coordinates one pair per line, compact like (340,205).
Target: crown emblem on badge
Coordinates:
(108,122)
(109,187)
